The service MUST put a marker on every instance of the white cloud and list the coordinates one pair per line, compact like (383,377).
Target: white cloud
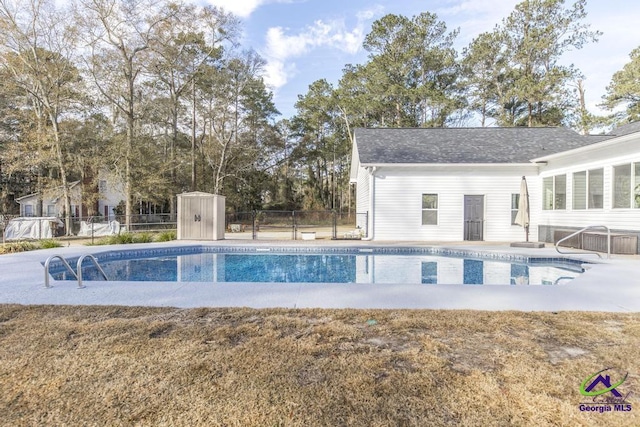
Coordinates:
(243,8)
(495,10)
(276,73)
(370,14)
(282,47)
(474,16)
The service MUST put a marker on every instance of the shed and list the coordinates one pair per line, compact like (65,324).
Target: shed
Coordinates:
(201,216)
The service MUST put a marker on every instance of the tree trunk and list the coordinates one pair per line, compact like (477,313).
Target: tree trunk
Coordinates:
(63,174)
(193,137)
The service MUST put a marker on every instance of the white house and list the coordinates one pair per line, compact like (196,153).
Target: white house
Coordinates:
(110,193)
(52,203)
(598,184)
(453,184)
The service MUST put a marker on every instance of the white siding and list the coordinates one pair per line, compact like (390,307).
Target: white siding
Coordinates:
(606,157)
(111,195)
(398,201)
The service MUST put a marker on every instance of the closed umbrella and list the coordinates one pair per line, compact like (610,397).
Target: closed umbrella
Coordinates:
(522,217)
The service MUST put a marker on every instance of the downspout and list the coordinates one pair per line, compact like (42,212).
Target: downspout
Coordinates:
(372,196)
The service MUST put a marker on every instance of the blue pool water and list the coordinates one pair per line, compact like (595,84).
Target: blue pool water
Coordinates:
(419,268)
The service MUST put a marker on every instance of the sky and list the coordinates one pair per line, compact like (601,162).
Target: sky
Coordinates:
(306,40)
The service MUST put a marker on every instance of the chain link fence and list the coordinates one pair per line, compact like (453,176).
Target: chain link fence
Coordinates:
(255,225)
(290,225)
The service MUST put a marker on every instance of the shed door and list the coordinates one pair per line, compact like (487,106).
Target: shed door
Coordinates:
(191,218)
(473,217)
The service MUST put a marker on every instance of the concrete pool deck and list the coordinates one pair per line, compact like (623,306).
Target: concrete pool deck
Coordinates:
(608,285)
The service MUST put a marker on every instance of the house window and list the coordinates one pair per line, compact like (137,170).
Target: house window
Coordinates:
(51,210)
(560,192)
(626,186)
(596,188)
(515,201)
(554,192)
(622,186)
(28,210)
(547,193)
(636,185)
(580,190)
(429,209)
(588,189)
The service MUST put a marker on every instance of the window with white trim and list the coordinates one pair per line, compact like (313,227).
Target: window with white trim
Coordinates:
(636,185)
(580,190)
(515,201)
(596,189)
(429,209)
(588,189)
(622,186)
(554,192)
(626,186)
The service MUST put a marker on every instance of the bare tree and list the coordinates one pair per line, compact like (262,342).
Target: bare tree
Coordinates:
(183,46)
(38,47)
(118,37)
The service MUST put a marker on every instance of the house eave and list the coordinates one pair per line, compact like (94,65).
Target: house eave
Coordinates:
(28,196)
(587,148)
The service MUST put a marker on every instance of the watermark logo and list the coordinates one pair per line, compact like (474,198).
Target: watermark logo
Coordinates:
(605,393)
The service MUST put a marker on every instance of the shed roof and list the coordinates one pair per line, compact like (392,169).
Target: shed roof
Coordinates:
(465,145)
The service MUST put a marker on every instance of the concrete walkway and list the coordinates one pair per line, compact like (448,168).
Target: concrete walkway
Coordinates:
(611,285)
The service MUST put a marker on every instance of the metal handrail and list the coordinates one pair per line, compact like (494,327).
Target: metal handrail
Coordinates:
(79,268)
(46,268)
(582,230)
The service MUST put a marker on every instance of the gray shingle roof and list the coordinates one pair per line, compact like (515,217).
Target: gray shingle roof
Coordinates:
(465,145)
(626,129)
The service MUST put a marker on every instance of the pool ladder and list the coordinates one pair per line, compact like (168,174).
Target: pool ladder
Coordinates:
(78,275)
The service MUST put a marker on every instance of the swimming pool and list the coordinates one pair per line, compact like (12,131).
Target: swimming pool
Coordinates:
(427,266)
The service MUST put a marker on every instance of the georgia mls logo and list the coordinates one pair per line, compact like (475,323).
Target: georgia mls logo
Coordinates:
(605,393)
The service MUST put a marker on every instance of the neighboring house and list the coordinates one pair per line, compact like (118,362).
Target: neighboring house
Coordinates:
(52,204)
(453,184)
(110,193)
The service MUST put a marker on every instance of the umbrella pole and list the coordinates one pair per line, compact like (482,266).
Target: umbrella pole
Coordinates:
(526,231)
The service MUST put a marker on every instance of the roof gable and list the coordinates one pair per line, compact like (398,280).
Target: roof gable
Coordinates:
(464,145)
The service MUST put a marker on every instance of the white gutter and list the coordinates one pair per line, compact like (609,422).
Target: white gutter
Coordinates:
(446,165)
(372,195)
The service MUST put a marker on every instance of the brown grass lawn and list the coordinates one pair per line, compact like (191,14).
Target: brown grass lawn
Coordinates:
(110,366)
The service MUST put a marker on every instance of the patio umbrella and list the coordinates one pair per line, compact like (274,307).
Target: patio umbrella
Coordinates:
(522,217)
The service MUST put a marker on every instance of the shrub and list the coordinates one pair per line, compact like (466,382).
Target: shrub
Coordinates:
(13,247)
(125,238)
(142,238)
(166,236)
(120,239)
(49,243)
(117,239)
